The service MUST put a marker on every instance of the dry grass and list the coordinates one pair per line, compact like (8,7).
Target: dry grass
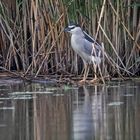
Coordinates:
(32,38)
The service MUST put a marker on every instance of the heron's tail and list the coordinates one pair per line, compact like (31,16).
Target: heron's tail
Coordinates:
(96,59)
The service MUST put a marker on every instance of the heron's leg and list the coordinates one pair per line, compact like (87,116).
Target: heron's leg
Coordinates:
(95,73)
(86,70)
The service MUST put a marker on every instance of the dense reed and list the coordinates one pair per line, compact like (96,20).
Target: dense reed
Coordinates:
(32,39)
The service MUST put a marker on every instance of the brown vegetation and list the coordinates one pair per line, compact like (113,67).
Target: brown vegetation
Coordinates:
(32,38)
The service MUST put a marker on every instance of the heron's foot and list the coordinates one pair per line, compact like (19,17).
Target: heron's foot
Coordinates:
(95,80)
(83,81)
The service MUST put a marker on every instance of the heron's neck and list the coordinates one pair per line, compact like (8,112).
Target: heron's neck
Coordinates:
(78,35)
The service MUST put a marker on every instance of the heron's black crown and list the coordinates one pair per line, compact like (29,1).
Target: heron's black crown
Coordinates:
(71,26)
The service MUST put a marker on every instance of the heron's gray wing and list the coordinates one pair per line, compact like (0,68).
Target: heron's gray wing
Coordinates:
(87,48)
(91,39)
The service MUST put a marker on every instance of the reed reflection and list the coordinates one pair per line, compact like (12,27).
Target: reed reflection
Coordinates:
(108,112)
(52,117)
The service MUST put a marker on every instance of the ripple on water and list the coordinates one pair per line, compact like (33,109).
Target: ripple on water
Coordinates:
(115,103)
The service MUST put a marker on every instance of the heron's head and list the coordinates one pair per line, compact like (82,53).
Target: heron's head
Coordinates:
(73,29)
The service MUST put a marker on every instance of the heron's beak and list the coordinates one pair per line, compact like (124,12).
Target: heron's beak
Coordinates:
(67,29)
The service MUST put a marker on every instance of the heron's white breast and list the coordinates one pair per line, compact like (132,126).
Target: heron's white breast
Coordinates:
(76,43)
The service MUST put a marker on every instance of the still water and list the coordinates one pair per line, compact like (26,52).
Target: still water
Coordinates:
(32,111)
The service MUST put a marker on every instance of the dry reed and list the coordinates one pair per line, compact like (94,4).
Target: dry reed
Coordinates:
(32,39)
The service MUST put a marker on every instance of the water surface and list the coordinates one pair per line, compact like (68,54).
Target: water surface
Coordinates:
(40,112)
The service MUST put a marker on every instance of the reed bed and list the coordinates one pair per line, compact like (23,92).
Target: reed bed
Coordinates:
(32,40)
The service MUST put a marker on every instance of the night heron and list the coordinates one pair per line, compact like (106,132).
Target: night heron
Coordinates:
(86,47)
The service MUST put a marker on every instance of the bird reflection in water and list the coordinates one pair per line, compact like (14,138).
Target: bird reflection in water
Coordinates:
(87,116)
